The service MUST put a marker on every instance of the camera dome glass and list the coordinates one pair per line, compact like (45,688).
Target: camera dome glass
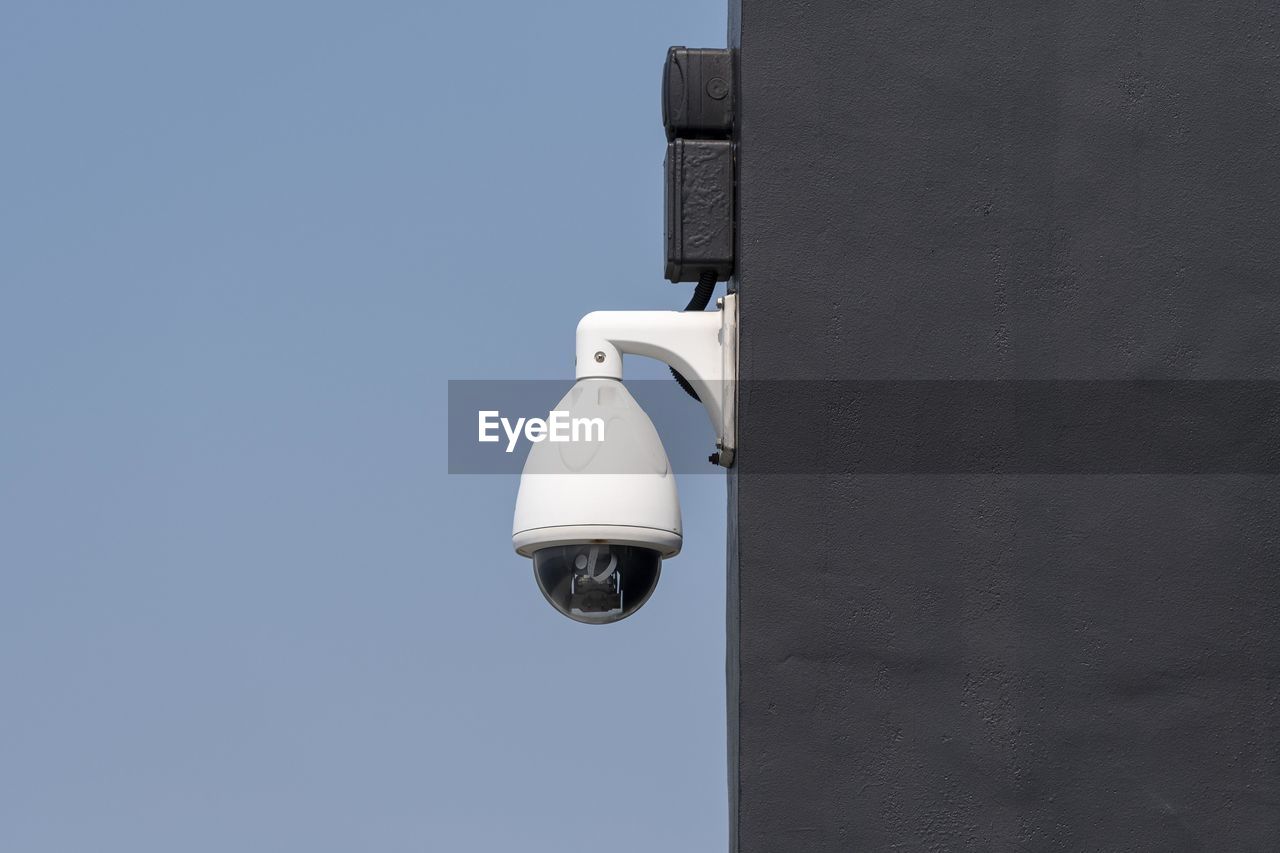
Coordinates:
(597,583)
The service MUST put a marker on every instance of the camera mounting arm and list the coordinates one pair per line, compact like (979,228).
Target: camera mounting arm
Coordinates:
(701,345)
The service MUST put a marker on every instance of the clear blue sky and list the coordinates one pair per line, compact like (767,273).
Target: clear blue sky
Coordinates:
(242,606)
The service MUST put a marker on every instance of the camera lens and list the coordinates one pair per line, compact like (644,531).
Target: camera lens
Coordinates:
(597,583)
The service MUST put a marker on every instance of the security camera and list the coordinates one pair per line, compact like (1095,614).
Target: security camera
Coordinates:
(598,517)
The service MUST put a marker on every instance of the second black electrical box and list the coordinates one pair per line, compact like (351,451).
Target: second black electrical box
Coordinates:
(699,208)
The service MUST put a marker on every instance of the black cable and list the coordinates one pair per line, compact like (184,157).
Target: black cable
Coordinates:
(698,302)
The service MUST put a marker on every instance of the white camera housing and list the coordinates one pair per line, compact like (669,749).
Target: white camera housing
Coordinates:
(620,490)
(598,517)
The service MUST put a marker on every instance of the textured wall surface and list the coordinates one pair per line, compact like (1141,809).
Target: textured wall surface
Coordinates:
(942,190)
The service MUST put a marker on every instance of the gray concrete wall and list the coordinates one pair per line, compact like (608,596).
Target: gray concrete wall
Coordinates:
(1002,661)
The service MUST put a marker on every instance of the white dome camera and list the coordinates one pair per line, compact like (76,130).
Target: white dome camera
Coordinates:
(598,517)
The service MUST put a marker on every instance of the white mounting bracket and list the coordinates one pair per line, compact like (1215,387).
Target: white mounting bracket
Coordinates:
(701,345)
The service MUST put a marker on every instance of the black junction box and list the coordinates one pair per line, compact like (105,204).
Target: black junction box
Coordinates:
(697,93)
(699,208)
